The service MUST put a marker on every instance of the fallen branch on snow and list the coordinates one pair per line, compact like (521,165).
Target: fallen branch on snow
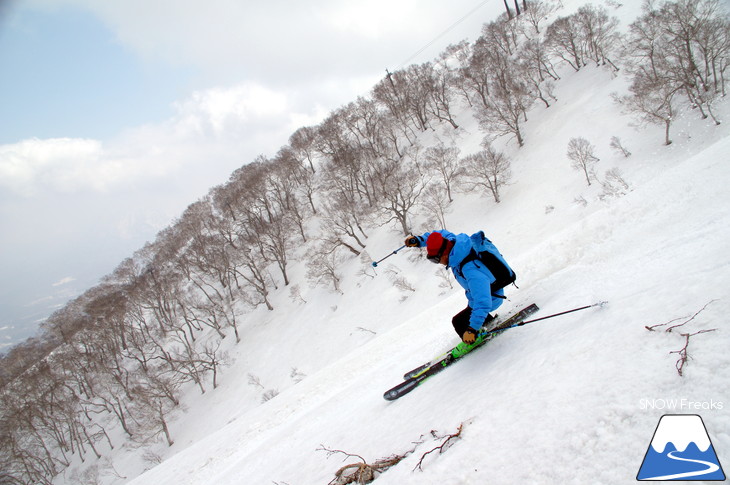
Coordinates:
(689,319)
(683,354)
(361,472)
(683,357)
(364,472)
(445,445)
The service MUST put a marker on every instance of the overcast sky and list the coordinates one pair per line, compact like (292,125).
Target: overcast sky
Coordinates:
(117,114)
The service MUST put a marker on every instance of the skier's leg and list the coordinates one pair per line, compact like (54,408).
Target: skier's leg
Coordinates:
(461,321)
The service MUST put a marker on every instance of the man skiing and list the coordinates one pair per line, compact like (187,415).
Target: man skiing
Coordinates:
(479,269)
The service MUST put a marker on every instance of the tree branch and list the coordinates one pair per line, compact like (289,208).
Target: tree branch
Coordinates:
(683,356)
(442,447)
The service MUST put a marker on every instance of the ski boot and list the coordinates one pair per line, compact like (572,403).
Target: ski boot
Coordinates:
(462,348)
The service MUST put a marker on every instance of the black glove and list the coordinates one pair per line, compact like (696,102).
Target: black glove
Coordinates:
(412,242)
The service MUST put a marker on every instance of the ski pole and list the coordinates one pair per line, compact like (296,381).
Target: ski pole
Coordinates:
(519,324)
(375,263)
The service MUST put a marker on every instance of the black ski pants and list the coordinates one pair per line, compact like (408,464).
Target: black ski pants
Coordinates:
(460,321)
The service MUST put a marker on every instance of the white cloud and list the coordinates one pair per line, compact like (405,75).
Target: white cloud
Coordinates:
(209,128)
(279,41)
(40,301)
(277,65)
(223,109)
(23,165)
(371,20)
(64,281)
(68,165)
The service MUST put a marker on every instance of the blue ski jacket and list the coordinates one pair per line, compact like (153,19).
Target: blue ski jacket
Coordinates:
(474,277)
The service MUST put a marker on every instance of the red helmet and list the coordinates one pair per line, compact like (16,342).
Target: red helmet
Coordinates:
(436,246)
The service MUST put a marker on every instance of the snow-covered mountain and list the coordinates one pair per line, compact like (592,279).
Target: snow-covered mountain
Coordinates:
(558,402)
(680,431)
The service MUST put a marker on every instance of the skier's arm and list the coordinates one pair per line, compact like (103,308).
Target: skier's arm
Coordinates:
(420,241)
(417,241)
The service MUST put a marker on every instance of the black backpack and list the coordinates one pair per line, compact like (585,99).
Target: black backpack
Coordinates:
(484,251)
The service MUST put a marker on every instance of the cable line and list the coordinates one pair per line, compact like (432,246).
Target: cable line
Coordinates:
(420,51)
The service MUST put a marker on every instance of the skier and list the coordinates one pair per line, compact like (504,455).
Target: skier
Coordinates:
(456,251)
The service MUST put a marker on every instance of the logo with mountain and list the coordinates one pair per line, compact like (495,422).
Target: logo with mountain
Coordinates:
(681,450)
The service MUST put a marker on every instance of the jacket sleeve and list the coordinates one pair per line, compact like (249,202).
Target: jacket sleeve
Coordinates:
(422,238)
(479,293)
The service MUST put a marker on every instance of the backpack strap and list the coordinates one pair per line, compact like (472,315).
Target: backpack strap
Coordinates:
(504,275)
(474,256)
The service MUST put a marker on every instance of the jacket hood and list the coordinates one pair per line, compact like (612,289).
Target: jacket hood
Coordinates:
(461,249)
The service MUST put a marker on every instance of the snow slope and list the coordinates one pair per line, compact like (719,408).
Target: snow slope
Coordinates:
(554,402)
(573,399)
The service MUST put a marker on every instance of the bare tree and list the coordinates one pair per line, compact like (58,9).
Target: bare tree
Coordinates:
(414,84)
(681,47)
(153,412)
(392,96)
(345,161)
(475,75)
(456,57)
(366,121)
(435,204)
(254,273)
(538,12)
(275,241)
(504,95)
(488,169)
(653,100)
(438,82)
(287,179)
(406,99)
(506,109)
(563,37)
(698,48)
(580,152)
(445,162)
(614,184)
(501,38)
(344,218)
(401,186)
(619,147)
(535,54)
(210,267)
(599,34)
(532,66)
(323,266)
(26,454)
(302,143)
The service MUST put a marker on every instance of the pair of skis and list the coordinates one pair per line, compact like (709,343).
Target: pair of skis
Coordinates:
(417,376)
